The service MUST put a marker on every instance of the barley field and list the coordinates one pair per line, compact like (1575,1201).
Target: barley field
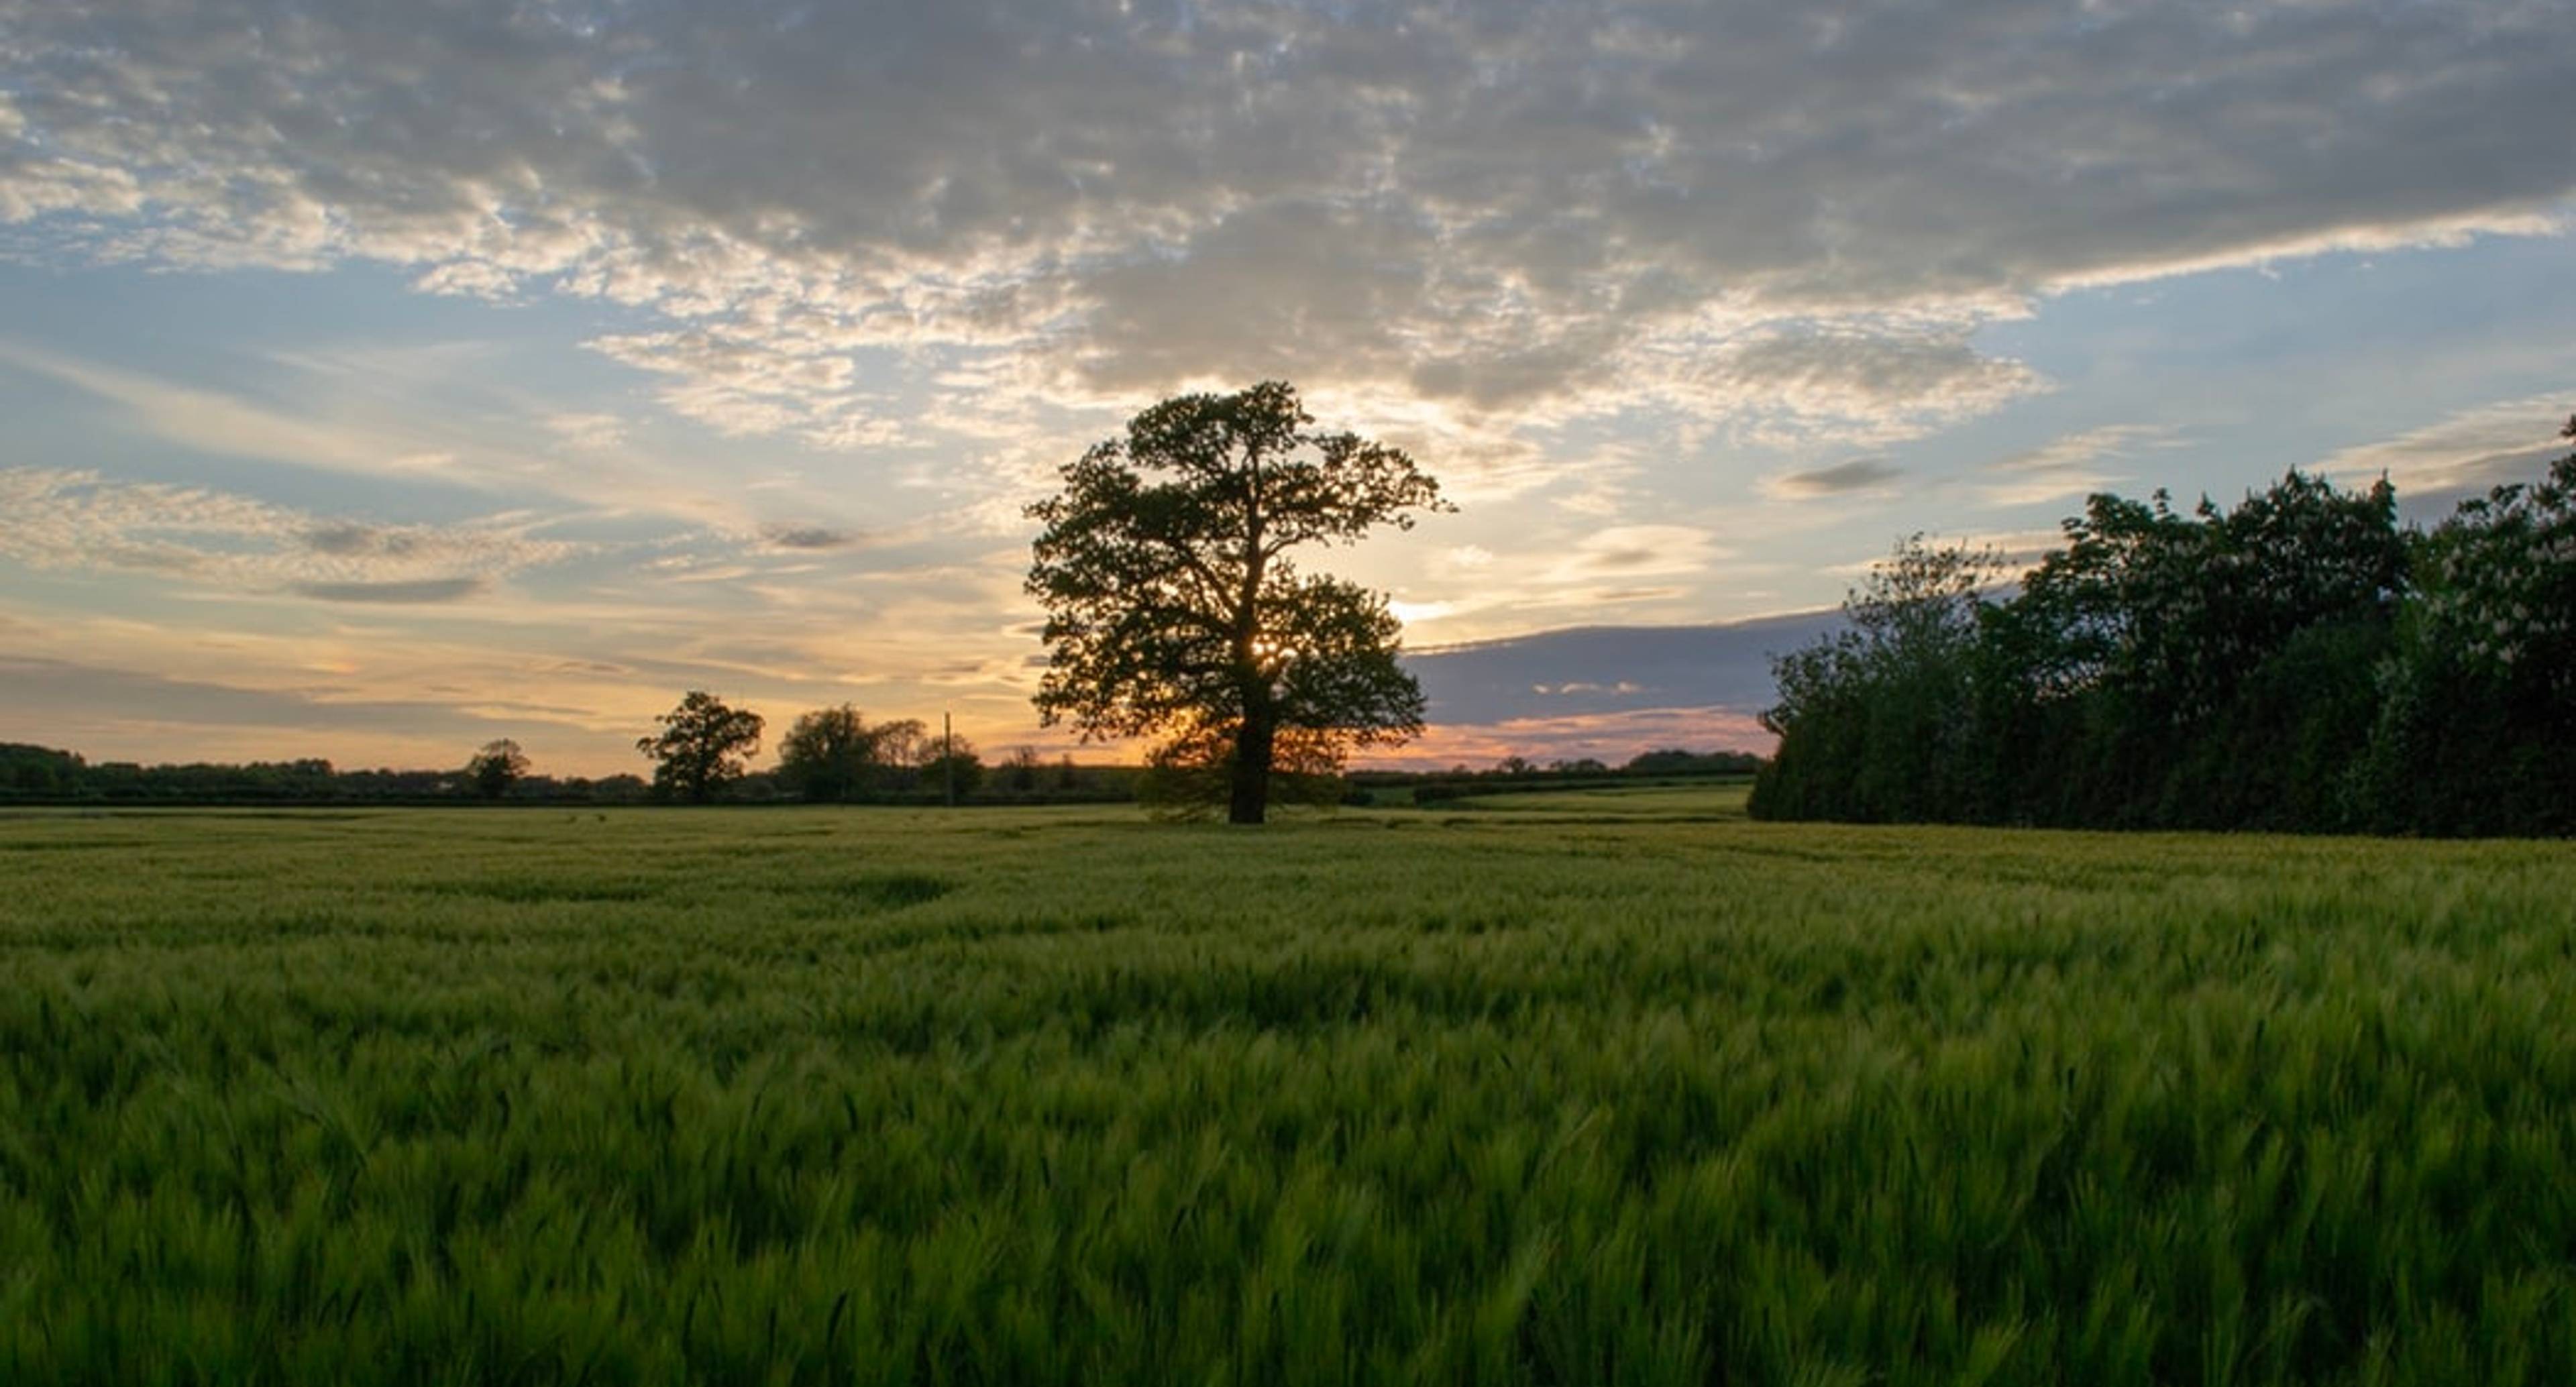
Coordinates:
(1576,1088)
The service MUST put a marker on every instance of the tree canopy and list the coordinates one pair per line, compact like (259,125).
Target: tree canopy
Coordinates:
(701,747)
(835,754)
(497,767)
(1174,607)
(2298,661)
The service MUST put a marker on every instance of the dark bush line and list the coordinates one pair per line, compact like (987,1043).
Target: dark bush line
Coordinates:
(35,776)
(1441,791)
(1512,775)
(2300,663)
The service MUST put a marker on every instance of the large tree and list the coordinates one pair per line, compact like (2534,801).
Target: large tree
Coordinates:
(1174,609)
(701,746)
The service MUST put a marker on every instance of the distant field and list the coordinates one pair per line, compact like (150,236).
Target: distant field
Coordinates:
(1574,1088)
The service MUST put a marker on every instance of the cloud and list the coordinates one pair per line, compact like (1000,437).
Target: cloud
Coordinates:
(413,450)
(1585,686)
(1788,220)
(1632,551)
(415,591)
(2068,465)
(1611,669)
(69,520)
(69,693)
(2464,454)
(1860,474)
(1876,382)
(807,537)
(210,420)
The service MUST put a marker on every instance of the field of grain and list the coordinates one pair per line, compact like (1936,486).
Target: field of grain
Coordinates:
(1584,1088)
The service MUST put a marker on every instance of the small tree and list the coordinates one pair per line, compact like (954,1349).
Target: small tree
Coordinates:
(1022,769)
(1174,610)
(903,748)
(831,754)
(497,767)
(701,746)
(949,762)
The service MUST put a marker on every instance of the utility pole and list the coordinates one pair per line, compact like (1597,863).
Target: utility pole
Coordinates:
(948,754)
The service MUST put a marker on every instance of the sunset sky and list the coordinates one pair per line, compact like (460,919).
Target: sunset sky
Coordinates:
(382,377)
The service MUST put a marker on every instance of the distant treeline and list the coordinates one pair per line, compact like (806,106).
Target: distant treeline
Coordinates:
(2300,662)
(43,773)
(36,774)
(1513,774)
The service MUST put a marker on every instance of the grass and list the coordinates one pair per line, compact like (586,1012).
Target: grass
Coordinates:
(1580,1088)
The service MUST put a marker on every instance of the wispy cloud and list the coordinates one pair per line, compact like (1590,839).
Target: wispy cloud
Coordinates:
(213,422)
(807,537)
(78,520)
(1858,475)
(2466,452)
(2072,464)
(416,590)
(415,448)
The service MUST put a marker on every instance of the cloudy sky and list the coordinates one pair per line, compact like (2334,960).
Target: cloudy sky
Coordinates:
(383,376)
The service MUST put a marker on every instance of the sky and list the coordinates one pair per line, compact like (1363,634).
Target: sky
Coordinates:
(380,378)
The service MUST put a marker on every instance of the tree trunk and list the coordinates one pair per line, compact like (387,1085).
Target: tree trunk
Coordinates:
(1251,797)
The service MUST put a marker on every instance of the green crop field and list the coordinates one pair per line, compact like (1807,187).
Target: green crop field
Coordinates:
(1581,1088)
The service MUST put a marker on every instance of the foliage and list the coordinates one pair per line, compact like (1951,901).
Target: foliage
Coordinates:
(2477,726)
(1174,607)
(702,745)
(2175,611)
(1516,778)
(1542,1095)
(1191,774)
(949,765)
(833,754)
(2296,662)
(1876,719)
(37,772)
(497,767)
(1680,761)
(1023,771)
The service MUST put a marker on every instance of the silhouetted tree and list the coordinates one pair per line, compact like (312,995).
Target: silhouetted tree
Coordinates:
(1174,609)
(497,767)
(1677,761)
(950,756)
(701,746)
(1193,771)
(833,754)
(37,770)
(902,748)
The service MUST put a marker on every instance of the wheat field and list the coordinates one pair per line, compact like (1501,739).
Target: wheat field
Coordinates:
(1576,1088)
